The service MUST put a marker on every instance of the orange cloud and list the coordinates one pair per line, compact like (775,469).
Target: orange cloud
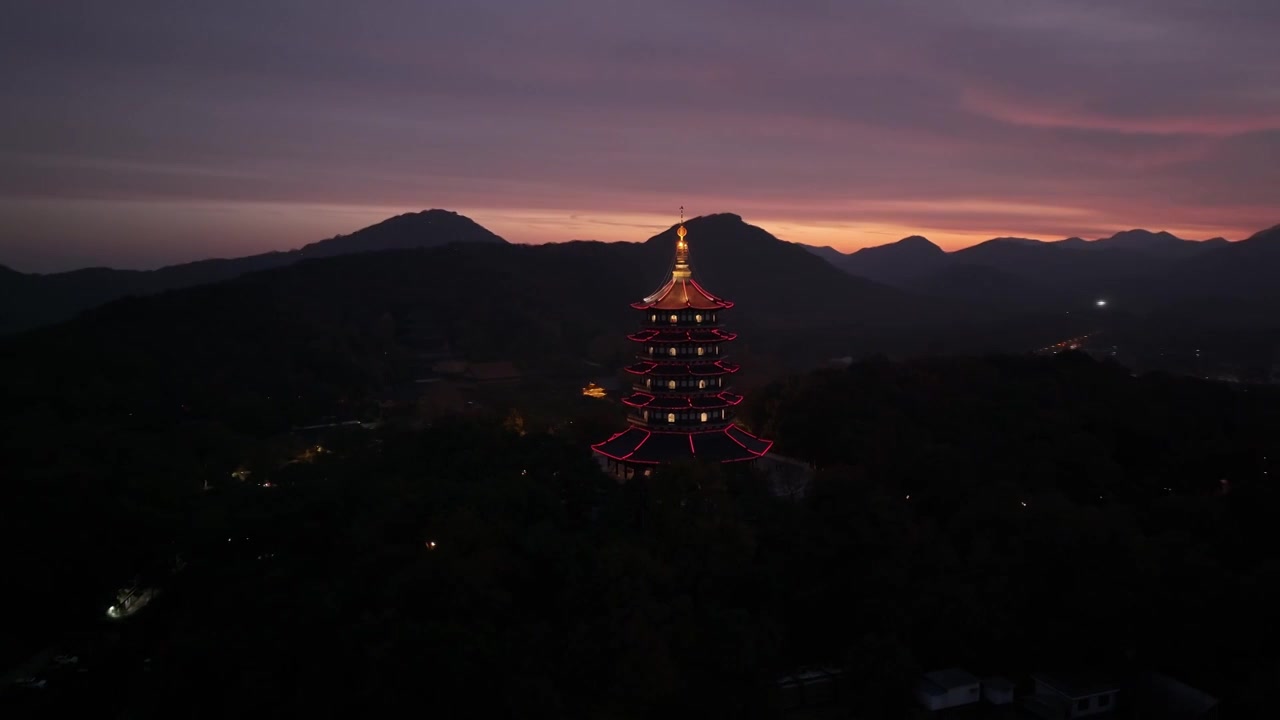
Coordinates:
(1026,114)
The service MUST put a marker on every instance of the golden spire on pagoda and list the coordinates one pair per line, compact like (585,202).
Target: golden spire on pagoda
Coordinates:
(681,270)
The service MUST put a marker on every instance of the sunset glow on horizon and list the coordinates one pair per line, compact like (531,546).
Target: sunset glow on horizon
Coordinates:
(244,228)
(242,128)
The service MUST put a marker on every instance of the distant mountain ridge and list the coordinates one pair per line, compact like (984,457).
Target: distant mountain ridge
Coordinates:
(897,262)
(776,282)
(428,228)
(298,338)
(911,281)
(31,300)
(1041,274)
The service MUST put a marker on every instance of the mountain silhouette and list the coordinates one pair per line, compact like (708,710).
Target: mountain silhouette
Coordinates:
(828,253)
(1158,244)
(31,300)
(1139,239)
(776,282)
(1248,269)
(1076,243)
(1147,268)
(909,257)
(896,263)
(428,228)
(296,341)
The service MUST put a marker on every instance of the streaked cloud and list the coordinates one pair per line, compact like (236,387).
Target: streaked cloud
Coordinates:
(837,123)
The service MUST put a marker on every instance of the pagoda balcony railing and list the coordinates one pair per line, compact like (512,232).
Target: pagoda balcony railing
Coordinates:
(706,394)
(690,401)
(684,318)
(663,351)
(663,389)
(682,334)
(679,429)
(666,367)
(646,325)
(661,424)
(669,361)
(680,359)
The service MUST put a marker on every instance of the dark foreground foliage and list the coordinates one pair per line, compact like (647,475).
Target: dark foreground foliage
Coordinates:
(1006,515)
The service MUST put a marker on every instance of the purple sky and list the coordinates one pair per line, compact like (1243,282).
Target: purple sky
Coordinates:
(136,133)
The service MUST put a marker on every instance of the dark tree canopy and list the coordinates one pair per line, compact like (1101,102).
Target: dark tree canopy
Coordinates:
(1002,514)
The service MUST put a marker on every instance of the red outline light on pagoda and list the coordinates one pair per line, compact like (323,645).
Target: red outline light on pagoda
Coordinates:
(627,400)
(724,366)
(768,443)
(664,298)
(723,303)
(681,294)
(665,336)
(724,396)
(651,366)
(636,449)
(648,434)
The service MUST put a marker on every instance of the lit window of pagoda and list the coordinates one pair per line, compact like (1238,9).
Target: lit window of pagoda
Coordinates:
(690,393)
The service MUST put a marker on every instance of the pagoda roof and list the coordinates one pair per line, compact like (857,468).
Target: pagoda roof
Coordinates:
(681,291)
(682,294)
(648,447)
(678,369)
(682,402)
(673,335)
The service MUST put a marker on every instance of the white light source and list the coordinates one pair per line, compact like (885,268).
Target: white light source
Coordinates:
(1102,303)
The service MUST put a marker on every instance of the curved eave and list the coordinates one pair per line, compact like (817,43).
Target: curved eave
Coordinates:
(639,446)
(711,335)
(719,367)
(720,400)
(641,368)
(682,294)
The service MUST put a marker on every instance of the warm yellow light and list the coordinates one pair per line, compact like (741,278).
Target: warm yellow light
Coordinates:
(593,390)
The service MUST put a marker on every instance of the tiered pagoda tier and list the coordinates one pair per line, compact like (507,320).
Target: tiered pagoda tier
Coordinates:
(681,406)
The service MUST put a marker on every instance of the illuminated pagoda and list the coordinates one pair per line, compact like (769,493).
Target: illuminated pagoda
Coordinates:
(681,406)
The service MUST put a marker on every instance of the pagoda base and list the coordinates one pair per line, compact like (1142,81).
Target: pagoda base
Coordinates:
(620,470)
(637,450)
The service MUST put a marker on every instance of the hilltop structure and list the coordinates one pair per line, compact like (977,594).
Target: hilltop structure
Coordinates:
(681,406)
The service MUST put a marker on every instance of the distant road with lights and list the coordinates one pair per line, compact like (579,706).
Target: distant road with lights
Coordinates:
(1074,343)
